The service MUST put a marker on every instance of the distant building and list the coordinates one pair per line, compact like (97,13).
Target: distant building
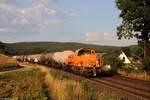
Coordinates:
(123,57)
(110,56)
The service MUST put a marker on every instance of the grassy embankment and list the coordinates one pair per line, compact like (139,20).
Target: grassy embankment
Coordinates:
(7,63)
(65,87)
(141,75)
(22,84)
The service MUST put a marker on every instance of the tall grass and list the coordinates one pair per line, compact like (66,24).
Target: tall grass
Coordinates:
(64,87)
(134,74)
(24,84)
(8,64)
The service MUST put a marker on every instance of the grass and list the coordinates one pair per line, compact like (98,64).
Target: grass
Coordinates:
(7,63)
(22,84)
(65,87)
(9,66)
(135,74)
(28,83)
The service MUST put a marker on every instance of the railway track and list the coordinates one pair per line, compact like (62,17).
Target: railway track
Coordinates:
(129,86)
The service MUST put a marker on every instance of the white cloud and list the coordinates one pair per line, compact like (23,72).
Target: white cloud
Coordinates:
(54,11)
(30,18)
(24,11)
(96,36)
(54,22)
(7,30)
(107,39)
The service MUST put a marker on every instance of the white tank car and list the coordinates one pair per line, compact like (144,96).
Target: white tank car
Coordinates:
(20,58)
(60,57)
(49,57)
(46,58)
(34,58)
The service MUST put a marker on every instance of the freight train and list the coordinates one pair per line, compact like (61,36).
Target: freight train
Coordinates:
(83,61)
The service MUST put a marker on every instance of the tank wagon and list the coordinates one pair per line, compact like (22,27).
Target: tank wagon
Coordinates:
(83,61)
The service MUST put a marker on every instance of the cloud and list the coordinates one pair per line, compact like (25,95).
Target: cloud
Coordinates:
(54,11)
(96,36)
(107,39)
(15,16)
(7,30)
(54,22)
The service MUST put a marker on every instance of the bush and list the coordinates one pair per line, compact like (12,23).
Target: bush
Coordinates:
(116,64)
(146,65)
(113,60)
(2,47)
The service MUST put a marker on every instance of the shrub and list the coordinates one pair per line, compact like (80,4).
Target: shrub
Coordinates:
(146,64)
(116,63)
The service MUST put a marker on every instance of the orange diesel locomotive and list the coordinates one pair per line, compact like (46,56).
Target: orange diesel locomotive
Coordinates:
(85,60)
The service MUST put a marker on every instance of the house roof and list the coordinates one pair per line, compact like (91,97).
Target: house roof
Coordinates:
(108,58)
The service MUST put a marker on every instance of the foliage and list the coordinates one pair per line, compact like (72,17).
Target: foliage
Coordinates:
(136,18)
(2,47)
(146,64)
(113,60)
(126,50)
(136,52)
(25,84)
(38,47)
(116,64)
(37,50)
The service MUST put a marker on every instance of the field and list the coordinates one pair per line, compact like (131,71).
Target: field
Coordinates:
(135,74)
(31,83)
(22,84)
(64,86)
(7,63)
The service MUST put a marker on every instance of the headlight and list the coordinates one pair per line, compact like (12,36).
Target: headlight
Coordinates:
(97,62)
(108,66)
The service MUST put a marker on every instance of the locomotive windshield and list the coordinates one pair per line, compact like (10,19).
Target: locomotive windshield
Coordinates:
(82,52)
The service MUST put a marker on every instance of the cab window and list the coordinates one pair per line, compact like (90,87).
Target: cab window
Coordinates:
(92,52)
(82,52)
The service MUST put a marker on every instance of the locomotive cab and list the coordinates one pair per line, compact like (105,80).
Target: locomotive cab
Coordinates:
(84,51)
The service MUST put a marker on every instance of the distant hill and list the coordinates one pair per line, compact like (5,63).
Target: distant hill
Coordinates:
(40,47)
(2,47)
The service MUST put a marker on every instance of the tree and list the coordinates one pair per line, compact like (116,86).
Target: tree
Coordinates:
(126,50)
(37,50)
(2,47)
(135,16)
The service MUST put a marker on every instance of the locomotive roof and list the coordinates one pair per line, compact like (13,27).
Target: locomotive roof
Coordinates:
(86,49)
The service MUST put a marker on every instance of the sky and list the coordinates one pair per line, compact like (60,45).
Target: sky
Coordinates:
(83,21)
